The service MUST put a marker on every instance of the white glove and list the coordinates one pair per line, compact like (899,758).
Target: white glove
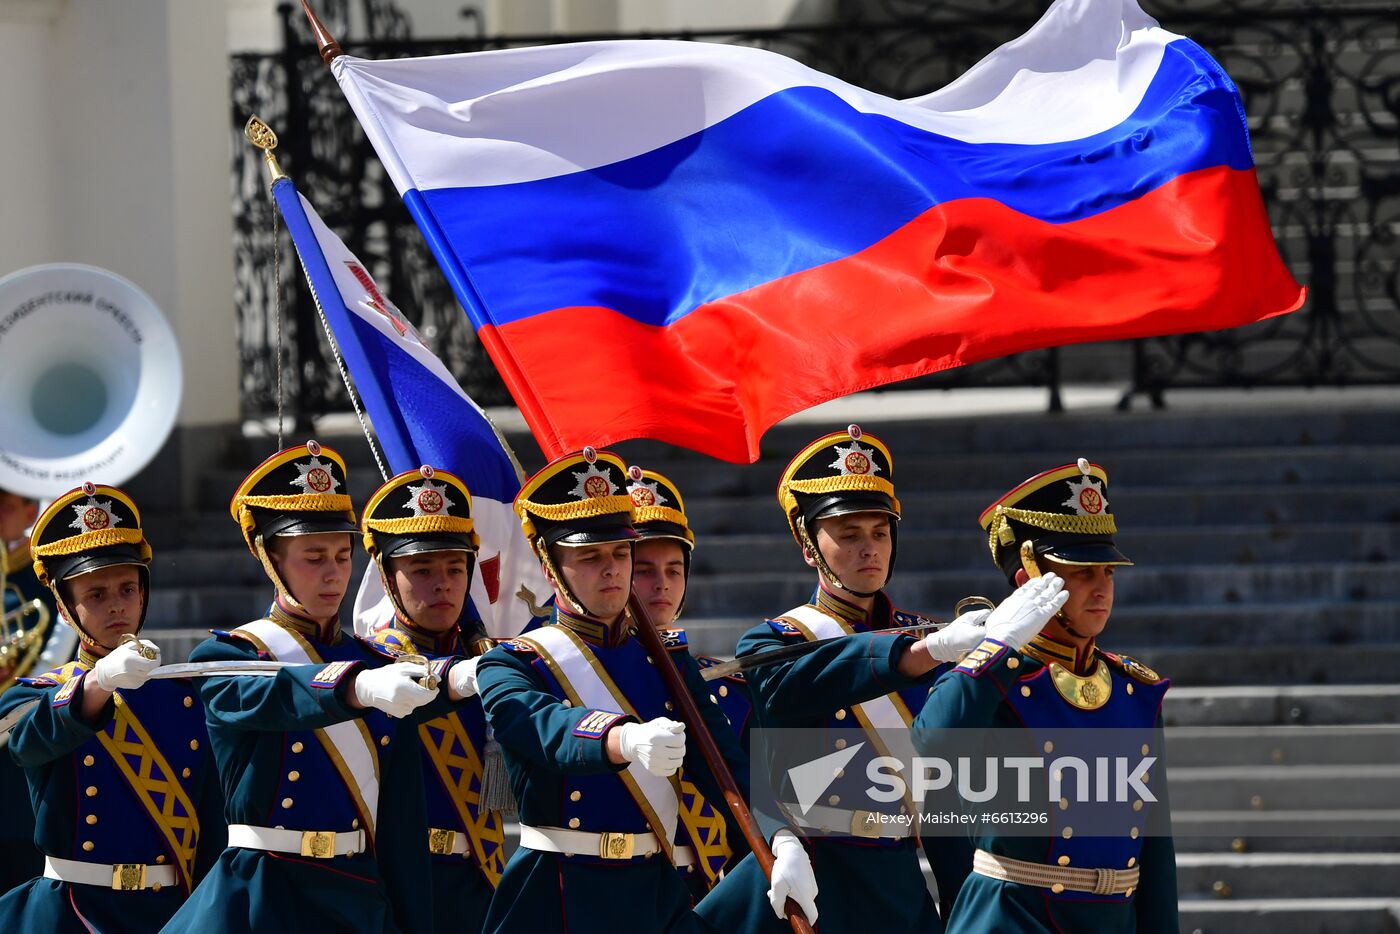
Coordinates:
(462,678)
(792,876)
(657,745)
(959,637)
(392,689)
(124,668)
(1023,614)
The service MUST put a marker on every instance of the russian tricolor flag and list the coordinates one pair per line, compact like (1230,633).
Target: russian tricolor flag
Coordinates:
(689,242)
(420,416)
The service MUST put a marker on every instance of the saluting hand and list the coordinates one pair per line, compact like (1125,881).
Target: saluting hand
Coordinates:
(657,745)
(1021,616)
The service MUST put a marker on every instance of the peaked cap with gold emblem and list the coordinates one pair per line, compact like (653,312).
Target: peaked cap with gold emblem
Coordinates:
(843,472)
(297,491)
(657,508)
(1064,514)
(84,530)
(838,474)
(578,499)
(575,500)
(419,511)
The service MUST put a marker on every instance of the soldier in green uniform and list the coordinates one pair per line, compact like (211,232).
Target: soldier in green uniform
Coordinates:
(419,530)
(319,767)
(839,499)
(125,793)
(660,576)
(586,725)
(1106,867)
(30,640)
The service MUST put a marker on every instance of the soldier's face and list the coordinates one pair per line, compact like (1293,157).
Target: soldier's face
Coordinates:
(16,515)
(315,569)
(1090,589)
(658,577)
(857,547)
(599,575)
(107,602)
(432,587)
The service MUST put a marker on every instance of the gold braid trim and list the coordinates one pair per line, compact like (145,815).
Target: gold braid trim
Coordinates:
(1000,533)
(88,541)
(563,512)
(660,514)
(843,483)
(303,502)
(418,525)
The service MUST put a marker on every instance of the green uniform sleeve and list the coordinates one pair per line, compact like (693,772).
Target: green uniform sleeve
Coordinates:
(53,726)
(292,699)
(535,725)
(841,673)
(968,696)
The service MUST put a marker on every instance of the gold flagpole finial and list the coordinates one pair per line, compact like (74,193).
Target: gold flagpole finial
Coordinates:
(261,136)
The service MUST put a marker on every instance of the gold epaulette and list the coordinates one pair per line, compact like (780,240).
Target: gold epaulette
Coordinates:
(1131,667)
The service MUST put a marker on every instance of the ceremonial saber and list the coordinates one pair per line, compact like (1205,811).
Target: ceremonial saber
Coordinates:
(789,652)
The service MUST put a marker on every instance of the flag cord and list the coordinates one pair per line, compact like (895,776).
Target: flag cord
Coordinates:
(349,387)
(277,304)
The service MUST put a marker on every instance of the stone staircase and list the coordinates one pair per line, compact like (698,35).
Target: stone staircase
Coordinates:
(1266,538)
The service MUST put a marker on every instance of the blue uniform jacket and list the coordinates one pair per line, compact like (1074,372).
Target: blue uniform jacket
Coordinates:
(275,772)
(137,786)
(996,687)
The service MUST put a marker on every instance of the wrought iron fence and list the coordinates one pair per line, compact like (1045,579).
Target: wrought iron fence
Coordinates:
(1321,84)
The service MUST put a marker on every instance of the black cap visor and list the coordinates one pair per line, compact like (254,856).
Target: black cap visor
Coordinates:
(67,567)
(595,530)
(1084,553)
(646,530)
(847,502)
(399,546)
(290,524)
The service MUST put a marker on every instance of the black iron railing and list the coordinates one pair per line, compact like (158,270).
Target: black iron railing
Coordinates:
(1321,84)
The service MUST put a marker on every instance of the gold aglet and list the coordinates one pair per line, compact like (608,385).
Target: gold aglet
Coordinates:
(262,136)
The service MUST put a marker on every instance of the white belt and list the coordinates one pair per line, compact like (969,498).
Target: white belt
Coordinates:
(123,877)
(320,844)
(447,842)
(869,825)
(605,845)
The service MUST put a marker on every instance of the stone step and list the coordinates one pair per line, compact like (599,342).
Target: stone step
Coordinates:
(1241,876)
(1149,629)
(1284,745)
(1234,423)
(1270,663)
(1284,787)
(1146,508)
(1128,470)
(1347,542)
(1331,830)
(751,594)
(1292,916)
(1287,704)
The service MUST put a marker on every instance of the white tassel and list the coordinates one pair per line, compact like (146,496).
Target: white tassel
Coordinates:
(495,780)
